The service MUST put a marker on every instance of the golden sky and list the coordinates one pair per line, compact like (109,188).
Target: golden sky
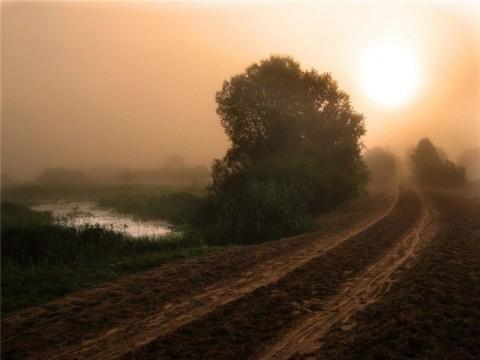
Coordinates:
(128,83)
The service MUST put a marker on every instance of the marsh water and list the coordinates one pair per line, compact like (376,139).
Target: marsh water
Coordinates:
(77,214)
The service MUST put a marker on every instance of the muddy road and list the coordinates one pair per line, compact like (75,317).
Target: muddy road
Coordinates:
(300,297)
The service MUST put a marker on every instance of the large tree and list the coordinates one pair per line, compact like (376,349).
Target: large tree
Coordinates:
(275,107)
(291,131)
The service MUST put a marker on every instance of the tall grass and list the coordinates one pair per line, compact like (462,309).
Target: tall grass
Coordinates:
(42,260)
(176,207)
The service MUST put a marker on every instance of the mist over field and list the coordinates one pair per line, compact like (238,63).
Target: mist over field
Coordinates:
(240,180)
(89,85)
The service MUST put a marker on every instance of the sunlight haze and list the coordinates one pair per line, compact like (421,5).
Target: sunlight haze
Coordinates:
(129,83)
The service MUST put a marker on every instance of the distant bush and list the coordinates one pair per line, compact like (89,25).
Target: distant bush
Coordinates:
(295,151)
(470,160)
(177,208)
(382,165)
(429,168)
(166,175)
(61,177)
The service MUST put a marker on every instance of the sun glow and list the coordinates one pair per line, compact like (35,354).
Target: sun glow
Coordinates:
(390,73)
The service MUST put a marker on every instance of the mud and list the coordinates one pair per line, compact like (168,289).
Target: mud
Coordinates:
(432,310)
(109,320)
(245,327)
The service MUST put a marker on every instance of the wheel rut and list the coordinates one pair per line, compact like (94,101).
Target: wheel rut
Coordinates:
(244,327)
(355,295)
(113,319)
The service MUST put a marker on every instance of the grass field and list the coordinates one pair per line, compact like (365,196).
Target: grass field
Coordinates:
(42,260)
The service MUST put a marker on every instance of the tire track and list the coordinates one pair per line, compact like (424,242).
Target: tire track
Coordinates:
(112,319)
(119,341)
(240,329)
(355,295)
(432,310)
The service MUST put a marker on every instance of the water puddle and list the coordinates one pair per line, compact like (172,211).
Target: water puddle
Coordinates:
(73,213)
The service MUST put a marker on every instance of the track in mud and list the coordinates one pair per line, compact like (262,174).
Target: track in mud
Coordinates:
(242,328)
(399,279)
(114,318)
(432,310)
(356,295)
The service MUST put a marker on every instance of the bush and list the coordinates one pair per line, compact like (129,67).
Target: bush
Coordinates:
(274,197)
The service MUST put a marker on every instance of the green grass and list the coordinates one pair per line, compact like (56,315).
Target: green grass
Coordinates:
(25,286)
(42,260)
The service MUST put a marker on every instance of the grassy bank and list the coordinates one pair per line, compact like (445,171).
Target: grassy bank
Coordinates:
(42,260)
(176,207)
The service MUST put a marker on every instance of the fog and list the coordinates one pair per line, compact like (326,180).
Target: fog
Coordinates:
(88,85)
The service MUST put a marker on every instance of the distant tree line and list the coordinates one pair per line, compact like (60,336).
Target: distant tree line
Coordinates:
(382,164)
(164,175)
(430,168)
(470,160)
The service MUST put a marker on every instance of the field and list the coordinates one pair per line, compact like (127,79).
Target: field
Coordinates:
(42,260)
(240,180)
(390,275)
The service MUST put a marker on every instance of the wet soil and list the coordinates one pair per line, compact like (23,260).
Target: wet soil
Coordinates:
(245,327)
(110,320)
(432,310)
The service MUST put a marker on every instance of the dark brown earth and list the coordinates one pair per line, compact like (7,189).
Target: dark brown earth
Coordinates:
(386,277)
(114,318)
(241,329)
(432,310)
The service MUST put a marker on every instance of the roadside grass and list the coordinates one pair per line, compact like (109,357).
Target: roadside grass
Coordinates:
(42,260)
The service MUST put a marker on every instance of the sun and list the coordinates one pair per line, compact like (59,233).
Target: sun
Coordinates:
(390,73)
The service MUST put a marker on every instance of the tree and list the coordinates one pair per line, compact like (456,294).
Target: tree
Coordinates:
(429,168)
(295,149)
(382,165)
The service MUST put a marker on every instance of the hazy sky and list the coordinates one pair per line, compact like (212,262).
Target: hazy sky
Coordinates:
(89,84)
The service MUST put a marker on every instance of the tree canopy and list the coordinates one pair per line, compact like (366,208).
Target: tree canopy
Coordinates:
(276,107)
(295,149)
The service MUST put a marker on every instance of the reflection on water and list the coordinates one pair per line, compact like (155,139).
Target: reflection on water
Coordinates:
(87,213)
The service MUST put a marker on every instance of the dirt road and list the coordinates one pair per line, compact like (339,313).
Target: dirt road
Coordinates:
(432,310)
(101,320)
(275,300)
(242,328)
